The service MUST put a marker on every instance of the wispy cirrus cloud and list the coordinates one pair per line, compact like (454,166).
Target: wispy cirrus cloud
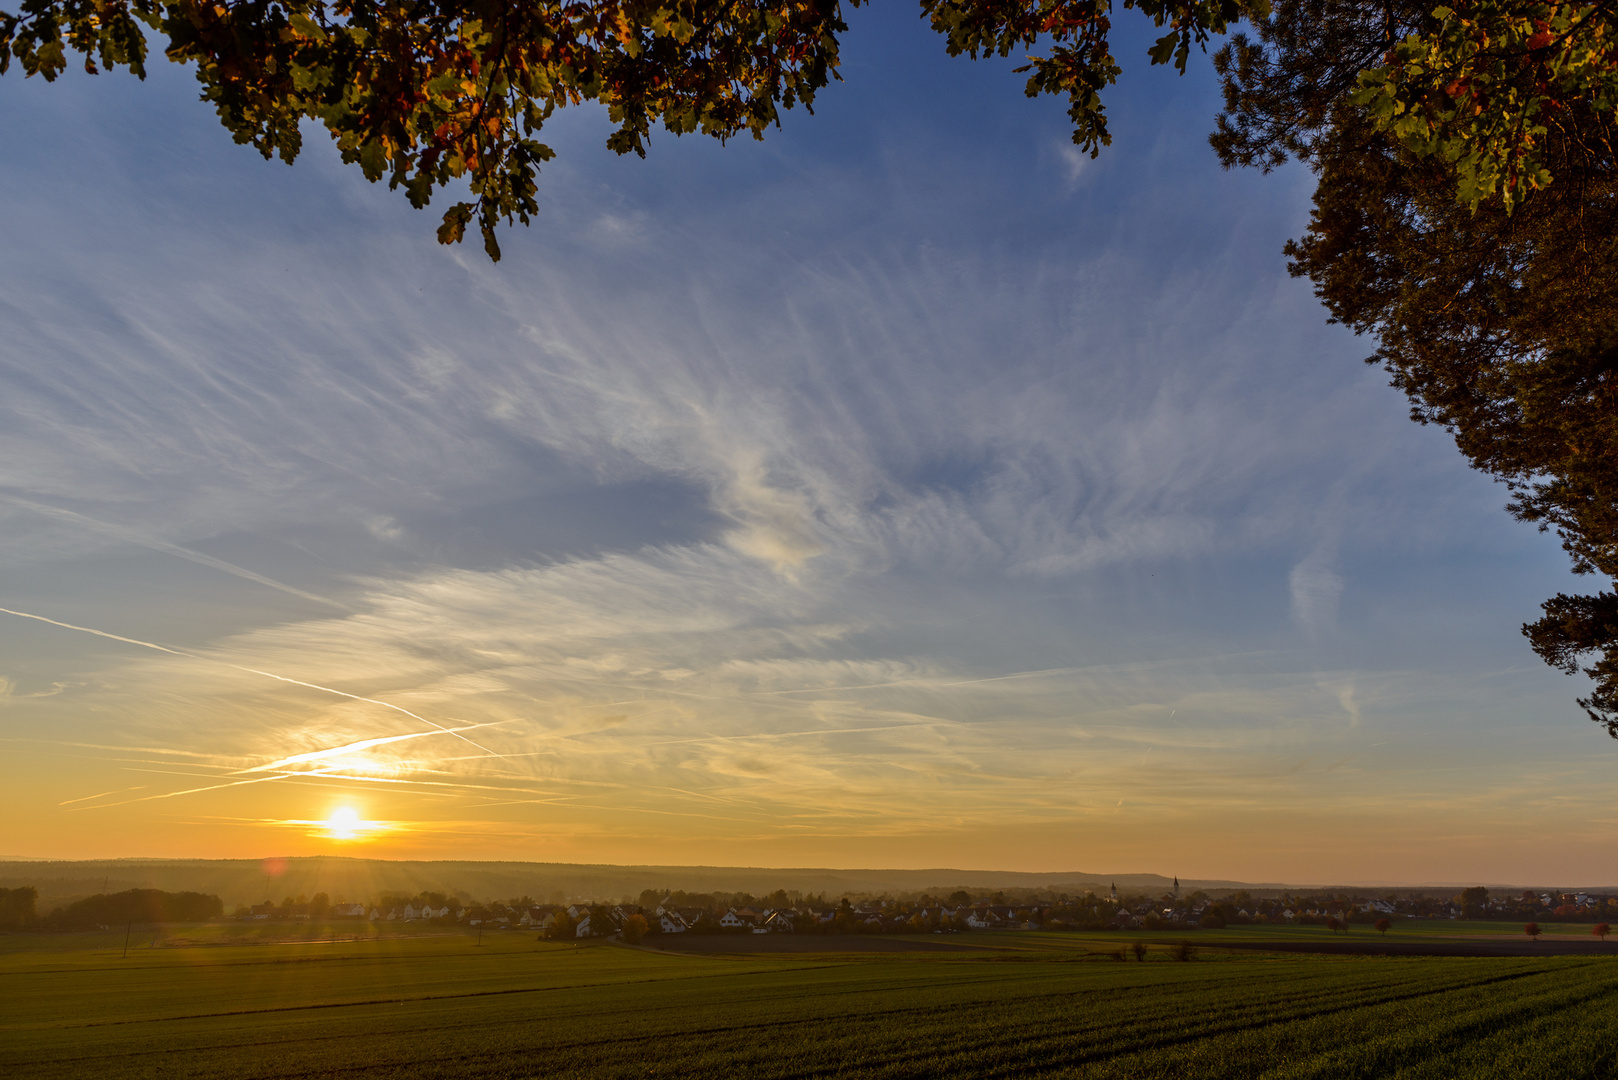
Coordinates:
(901,493)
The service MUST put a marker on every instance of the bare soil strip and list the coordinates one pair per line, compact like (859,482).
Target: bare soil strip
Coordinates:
(806,943)
(1463,947)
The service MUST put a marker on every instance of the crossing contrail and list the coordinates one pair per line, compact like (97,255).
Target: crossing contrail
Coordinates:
(251,671)
(349,748)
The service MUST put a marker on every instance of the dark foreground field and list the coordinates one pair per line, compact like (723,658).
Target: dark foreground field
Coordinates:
(445,1006)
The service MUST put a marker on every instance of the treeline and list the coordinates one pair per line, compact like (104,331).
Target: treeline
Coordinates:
(136,906)
(17,907)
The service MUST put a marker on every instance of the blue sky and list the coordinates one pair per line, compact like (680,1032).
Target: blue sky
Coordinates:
(902,490)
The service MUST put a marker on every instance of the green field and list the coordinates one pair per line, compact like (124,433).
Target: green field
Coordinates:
(442,1005)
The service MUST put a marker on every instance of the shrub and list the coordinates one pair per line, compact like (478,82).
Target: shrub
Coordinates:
(17,907)
(1184,950)
(1139,949)
(1212,922)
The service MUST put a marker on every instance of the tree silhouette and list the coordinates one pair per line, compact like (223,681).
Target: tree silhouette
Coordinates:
(1383,926)
(1601,930)
(1532,930)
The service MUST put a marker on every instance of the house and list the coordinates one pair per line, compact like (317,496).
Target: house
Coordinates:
(779,922)
(541,917)
(671,922)
(732,920)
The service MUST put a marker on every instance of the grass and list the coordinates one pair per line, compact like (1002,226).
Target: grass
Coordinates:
(1408,930)
(1031,1005)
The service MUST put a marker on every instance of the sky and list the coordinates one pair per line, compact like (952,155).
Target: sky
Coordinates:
(903,490)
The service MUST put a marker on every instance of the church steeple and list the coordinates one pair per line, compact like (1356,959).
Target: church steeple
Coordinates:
(1176,886)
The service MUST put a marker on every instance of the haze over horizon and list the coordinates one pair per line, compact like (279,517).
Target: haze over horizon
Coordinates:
(902,491)
(351,876)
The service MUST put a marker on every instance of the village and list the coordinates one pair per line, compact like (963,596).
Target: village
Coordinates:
(658,912)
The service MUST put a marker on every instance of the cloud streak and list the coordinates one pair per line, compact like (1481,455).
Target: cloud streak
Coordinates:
(893,500)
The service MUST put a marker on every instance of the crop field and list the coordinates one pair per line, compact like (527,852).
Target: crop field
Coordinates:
(445,1005)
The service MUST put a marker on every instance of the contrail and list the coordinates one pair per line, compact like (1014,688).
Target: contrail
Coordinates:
(251,671)
(187,791)
(1042,672)
(349,748)
(87,798)
(135,537)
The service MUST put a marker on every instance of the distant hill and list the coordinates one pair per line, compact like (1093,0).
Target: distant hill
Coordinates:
(249,881)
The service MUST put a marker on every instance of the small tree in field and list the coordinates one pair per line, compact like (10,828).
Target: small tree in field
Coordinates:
(1601,930)
(1334,924)
(1532,930)
(1383,926)
(1139,949)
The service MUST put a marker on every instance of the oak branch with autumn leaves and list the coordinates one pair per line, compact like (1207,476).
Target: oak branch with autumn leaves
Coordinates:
(427,92)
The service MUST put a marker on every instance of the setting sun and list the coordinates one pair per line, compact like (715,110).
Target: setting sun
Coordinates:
(345,824)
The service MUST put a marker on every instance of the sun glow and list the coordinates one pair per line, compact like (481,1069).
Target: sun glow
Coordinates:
(345,824)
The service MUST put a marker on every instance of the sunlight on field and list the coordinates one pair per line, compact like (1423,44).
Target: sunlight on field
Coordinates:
(445,1003)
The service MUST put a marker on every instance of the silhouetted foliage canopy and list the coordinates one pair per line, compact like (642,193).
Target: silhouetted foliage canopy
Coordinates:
(426,92)
(1497,316)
